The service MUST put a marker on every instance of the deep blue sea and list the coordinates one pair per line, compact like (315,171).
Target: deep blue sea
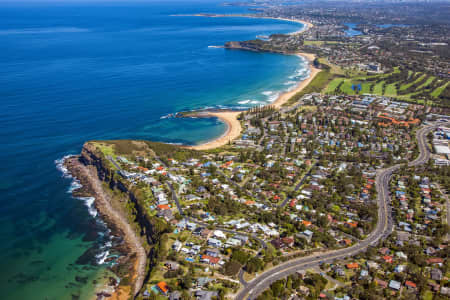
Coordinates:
(75,72)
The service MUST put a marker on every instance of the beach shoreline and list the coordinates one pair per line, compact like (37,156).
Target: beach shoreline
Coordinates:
(313,71)
(234,127)
(306,24)
(230,119)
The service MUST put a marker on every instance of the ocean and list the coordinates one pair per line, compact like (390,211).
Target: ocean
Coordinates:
(74,72)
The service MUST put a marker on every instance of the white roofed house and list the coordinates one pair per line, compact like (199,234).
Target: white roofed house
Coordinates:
(177,245)
(232,242)
(191,226)
(219,234)
(214,243)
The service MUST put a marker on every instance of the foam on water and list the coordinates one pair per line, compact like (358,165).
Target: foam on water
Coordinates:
(105,243)
(245,101)
(268,93)
(290,82)
(101,257)
(89,202)
(60,166)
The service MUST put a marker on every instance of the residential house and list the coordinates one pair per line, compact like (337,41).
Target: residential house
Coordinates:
(214,243)
(436,274)
(395,285)
(162,287)
(206,295)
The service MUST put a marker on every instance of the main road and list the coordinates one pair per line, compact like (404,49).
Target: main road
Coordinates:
(382,230)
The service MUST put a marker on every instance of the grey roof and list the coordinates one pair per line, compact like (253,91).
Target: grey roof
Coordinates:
(206,295)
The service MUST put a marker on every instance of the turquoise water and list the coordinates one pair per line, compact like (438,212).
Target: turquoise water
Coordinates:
(76,72)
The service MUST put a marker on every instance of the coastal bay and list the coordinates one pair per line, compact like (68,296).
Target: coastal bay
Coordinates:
(231,118)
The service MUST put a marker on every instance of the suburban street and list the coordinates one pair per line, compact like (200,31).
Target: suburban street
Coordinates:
(383,229)
(298,186)
(193,220)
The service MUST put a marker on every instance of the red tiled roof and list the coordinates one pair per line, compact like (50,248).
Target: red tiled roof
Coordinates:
(352,265)
(387,258)
(163,287)
(435,260)
(212,260)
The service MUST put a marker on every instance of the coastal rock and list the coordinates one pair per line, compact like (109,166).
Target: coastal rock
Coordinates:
(95,172)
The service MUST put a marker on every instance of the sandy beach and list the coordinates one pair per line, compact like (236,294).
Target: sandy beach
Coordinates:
(284,97)
(230,118)
(306,24)
(233,130)
(234,125)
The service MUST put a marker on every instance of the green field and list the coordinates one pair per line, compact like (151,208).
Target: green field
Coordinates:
(405,85)
(319,43)
(402,84)
(440,89)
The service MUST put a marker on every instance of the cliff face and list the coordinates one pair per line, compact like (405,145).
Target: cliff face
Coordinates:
(91,156)
(151,228)
(253,45)
(276,43)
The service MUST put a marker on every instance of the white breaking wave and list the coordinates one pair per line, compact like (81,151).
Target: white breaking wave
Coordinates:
(89,202)
(60,166)
(101,257)
(272,96)
(178,144)
(245,101)
(255,102)
(249,101)
(73,186)
(268,93)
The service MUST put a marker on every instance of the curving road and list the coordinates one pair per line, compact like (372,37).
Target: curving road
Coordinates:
(383,229)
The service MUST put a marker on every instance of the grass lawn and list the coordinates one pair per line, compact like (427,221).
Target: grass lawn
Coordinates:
(428,295)
(347,87)
(391,90)
(365,88)
(334,69)
(315,43)
(333,85)
(106,149)
(405,86)
(367,81)
(378,88)
(427,82)
(439,90)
